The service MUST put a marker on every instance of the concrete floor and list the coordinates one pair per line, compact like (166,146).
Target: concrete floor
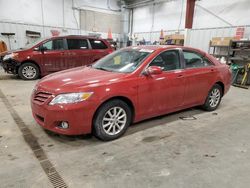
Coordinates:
(211,151)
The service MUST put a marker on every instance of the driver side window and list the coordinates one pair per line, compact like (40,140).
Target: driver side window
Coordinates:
(56,44)
(168,60)
(48,45)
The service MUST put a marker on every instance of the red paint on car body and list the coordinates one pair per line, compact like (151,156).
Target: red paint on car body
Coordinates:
(149,96)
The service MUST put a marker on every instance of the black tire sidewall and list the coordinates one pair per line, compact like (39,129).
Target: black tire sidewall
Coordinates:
(97,123)
(20,74)
(207,106)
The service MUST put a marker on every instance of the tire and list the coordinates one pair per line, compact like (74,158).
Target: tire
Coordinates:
(213,99)
(106,127)
(28,71)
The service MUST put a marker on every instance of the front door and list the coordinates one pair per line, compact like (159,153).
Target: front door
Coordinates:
(162,93)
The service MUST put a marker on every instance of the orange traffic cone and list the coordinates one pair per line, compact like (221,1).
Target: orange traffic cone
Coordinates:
(162,35)
(110,34)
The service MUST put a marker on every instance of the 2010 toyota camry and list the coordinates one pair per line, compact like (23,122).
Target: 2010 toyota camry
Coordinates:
(128,86)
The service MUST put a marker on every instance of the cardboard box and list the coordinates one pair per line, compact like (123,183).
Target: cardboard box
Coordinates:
(174,36)
(221,41)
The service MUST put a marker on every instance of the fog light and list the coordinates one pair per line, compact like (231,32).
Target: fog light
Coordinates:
(64,125)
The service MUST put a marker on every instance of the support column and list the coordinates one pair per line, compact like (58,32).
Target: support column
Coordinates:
(189,14)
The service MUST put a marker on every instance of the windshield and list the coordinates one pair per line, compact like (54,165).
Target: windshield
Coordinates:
(33,43)
(124,60)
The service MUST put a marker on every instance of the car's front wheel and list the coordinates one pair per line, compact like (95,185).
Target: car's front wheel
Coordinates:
(28,71)
(112,119)
(213,98)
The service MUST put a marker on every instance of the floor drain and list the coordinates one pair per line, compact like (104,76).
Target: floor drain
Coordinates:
(54,177)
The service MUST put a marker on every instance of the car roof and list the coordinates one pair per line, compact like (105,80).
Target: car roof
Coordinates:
(163,47)
(75,36)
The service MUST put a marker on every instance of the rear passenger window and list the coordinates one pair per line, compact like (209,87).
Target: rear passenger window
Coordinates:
(97,44)
(77,44)
(195,60)
(56,44)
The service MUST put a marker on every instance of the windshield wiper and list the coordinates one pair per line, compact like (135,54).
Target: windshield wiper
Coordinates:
(101,68)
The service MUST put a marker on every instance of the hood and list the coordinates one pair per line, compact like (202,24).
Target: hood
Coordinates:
(78,78)
(10,51)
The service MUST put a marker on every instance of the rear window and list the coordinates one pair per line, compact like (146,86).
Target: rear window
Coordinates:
(97,44)
(77,44)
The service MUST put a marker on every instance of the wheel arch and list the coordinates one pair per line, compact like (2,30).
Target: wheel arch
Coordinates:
(222,86)
(122,98)
(30,61)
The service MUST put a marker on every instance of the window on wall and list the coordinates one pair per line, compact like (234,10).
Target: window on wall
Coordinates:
(56,44)
(97,44)
(195,60)
(168,60)
(77,44)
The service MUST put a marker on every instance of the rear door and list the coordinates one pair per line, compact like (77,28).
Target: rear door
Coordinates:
(52,56)
(99,49)
(158,94)
(78,52)
(200,73)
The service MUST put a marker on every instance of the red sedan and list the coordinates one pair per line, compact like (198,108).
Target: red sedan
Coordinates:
(128,86)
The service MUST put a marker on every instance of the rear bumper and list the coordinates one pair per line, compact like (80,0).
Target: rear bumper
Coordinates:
(79,117)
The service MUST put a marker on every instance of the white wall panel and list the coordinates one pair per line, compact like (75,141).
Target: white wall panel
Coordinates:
(17,16)
(199,38)
(165,16)
(236,12)
(212,18)
(208,14)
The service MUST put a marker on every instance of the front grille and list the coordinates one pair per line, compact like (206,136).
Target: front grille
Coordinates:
(41,97)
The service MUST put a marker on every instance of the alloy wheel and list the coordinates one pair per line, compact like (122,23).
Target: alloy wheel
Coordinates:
(114,120)
(29,72)
(214,97)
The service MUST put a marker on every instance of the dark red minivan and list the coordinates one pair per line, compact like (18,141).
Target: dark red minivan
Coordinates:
(54,54)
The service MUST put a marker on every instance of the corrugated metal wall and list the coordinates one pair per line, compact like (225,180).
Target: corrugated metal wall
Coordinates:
(199,38)
(20,39)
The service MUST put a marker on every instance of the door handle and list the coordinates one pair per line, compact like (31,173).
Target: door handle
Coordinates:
(180,76)
(212,70)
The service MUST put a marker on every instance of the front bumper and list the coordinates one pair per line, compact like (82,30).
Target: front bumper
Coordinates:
(79,117)
(10,65)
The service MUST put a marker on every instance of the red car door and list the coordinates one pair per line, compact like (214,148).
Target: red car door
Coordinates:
(52,55)
(78,53)
(162,93)
(200,74)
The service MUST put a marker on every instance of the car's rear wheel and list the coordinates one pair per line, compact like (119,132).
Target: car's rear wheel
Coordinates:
(112,119)
(28,71)
(213,99)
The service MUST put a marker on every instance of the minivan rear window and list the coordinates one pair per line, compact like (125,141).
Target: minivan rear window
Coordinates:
(97,44)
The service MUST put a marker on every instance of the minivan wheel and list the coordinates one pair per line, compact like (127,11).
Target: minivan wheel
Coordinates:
(112,120)
(213,99)
(28,71)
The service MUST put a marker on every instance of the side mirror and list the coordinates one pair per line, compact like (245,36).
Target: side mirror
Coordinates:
(153,70)
(36,49)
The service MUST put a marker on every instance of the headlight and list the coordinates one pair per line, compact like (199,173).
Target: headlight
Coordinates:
(70,98)
(10,56)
